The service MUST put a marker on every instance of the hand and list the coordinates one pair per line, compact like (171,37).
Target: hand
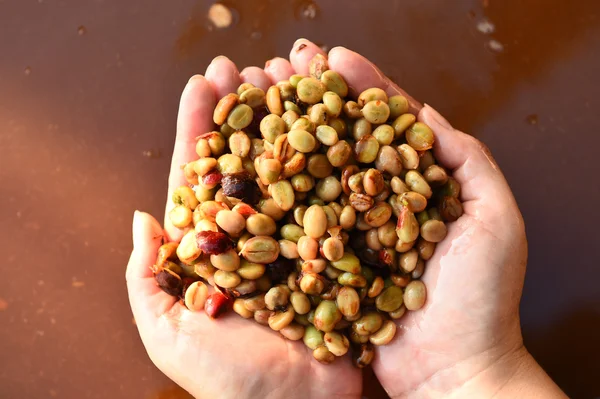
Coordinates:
(466,341)
(229,357)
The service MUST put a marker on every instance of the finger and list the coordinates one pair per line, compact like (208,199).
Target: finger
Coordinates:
(473,165)
(195,117)
(256,76)
(278,69)
(223,75)
(147,300)
(361,74)
(147,238)
(302,52)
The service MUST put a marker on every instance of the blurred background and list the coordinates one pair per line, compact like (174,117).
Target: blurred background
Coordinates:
(88,99)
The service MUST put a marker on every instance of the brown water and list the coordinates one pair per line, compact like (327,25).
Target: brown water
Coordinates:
(88,100)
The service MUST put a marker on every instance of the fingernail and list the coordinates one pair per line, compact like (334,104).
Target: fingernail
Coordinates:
(195,77)
(217,58)
(297,42)
(437,117)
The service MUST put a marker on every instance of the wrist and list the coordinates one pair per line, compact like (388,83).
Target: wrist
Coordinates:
(493,374)
(515,375)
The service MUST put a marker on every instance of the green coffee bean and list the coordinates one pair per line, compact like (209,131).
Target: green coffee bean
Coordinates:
(261,225)
(312,283)
(378,215)
(384,134)
(339,153)
(352,110)
(327,135)
(385,334)
(348,301)
(291,232)
(433,230)
(415,295)
(315,221)
(336,343)
(269,170)
(348,263)
(435,175)
(240,116)
(387,234)
(366,149)
(426,160)
(260,249)
(352,280)
(388,161)
(271,127)
(281,319)
(228,261)
(318,114)
(328,189)
(450,209)
(340,127)
(326,316)
(372,94)
(283,194)
(286,90)
(412,200)
(373,182)
(415,181)
(291,106)
(402,123)
(333,103)
(253,97)
(250,271)
(390,299)
(368,324)
(224,108)
(318,165)
(335,83)
(420,136)
(330,216)
(410,157)
(310,90)
(302,183)
(274,101)
(301,140)
(362,127)
(376,112)
(407,227)
(227,279)
(398,105)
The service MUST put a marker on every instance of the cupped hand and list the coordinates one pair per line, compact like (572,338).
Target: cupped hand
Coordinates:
(229,357)
(468,331)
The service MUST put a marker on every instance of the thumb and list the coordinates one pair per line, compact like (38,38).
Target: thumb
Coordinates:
(147,238)
(147,300)
(472,163)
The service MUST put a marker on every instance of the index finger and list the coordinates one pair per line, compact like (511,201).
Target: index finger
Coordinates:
(195,117)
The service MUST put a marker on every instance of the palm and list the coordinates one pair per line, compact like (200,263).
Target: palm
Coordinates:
(469,297)
(232,352)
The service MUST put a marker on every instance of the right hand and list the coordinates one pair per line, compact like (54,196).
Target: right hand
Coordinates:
(466,341)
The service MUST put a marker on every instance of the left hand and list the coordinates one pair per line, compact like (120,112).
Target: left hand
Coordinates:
(229,357)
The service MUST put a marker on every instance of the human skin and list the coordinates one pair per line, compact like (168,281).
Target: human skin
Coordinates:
(466,340)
